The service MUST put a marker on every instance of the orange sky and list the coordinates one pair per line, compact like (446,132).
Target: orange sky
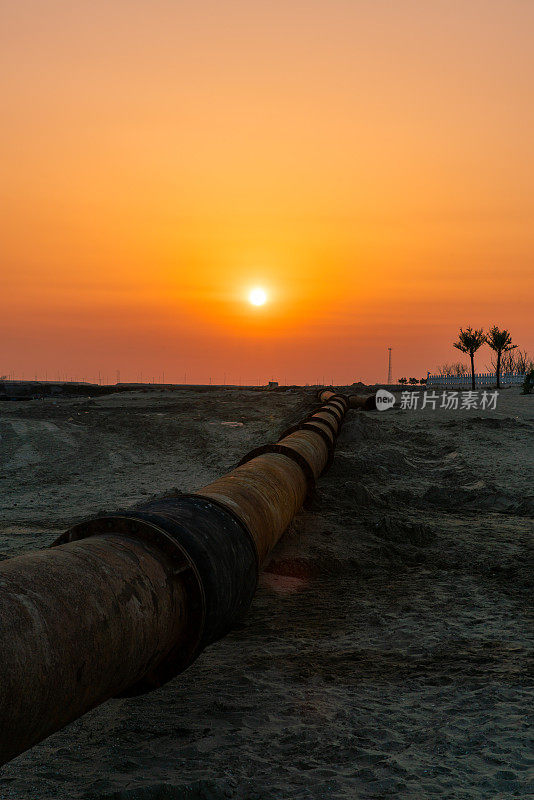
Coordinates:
(368,162)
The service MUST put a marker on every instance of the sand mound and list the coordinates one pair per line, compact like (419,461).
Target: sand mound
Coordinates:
(393,530)
(479,496)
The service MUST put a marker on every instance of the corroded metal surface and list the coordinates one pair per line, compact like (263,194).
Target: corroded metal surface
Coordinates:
(80,623)
(309,444)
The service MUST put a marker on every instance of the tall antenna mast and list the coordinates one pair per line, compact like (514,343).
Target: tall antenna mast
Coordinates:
(390,381)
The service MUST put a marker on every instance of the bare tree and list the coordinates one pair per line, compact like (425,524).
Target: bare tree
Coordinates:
(460,369)
(468,342)
(518,362)
(500,342)
(453,370)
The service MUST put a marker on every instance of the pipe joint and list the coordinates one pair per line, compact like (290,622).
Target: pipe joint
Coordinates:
(284,450)
(317,427)
(213,556)
(336,414)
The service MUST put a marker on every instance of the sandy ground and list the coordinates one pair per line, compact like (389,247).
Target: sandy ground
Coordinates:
(386,651)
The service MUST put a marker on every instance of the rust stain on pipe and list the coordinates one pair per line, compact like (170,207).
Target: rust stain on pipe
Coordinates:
(123,603)
(311,446)
(79,625)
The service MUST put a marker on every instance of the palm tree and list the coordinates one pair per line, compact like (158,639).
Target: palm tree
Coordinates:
(468,342)
(500,342)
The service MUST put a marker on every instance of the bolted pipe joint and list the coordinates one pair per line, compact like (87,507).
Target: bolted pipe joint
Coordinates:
(214,559)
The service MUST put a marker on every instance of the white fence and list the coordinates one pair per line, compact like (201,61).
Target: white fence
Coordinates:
(482,379)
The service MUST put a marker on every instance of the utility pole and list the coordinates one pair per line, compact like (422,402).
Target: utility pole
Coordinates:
(390,380)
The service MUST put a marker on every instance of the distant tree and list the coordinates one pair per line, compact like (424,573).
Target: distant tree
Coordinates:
(500,342)
(460,369)
(413,381)
(403,380)
(452,370)
(469,342)
(518,362)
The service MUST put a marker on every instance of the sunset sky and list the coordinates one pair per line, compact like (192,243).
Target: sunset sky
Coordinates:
(369,163)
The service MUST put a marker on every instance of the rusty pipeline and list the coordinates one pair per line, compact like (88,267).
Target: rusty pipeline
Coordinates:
(364,402)
(123,602)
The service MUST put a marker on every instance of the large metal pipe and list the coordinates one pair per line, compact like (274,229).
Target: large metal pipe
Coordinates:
(365,402)
(79,624)
(124,602)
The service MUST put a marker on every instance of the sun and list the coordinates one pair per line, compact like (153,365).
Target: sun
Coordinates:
(258,296)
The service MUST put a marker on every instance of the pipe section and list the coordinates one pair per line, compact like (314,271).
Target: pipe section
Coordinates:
(80,624)
(124,602)
(364,402)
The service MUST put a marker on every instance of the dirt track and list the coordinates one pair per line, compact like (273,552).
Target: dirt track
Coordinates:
(386,652)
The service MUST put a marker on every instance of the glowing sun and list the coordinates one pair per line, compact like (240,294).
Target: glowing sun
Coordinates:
(257,297)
